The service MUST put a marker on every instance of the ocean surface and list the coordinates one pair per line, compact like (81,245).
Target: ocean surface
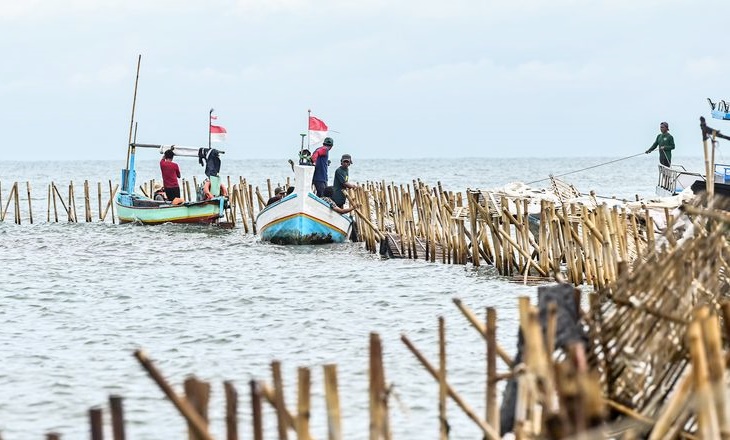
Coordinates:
(78,299)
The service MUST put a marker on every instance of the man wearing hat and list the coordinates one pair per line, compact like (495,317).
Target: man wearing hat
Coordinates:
(278,195)
(665,142)
(342,176)
(320,159)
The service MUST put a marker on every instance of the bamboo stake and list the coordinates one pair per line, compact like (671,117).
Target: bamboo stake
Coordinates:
(488,431)
(492,407)
(482,329)
(10,199)
(53,436)
(256,411)
(231,410)
(706,413)
(48,206)
(30,205)
(182,405)
(378,395)
(52,188)
(279,399)
(443,421)
(117,413)
(304,383)
(17,204)
(98,197)
(97,424)
(334,427)
(198,395)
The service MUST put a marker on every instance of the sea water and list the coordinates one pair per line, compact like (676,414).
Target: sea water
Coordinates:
(78,299)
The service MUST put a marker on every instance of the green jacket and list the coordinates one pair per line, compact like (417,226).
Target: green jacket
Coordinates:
(666,141)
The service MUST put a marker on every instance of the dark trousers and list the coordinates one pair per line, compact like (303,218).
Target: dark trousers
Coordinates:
(319,188)
(663,159)
(172,193)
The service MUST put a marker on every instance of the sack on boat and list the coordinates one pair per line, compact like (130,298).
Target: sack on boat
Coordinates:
(177,201)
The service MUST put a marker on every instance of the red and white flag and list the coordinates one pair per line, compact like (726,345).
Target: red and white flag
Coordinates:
(317,132)
(217,132)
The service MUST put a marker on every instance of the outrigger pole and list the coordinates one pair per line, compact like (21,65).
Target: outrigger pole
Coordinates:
(134,104)
(179,150)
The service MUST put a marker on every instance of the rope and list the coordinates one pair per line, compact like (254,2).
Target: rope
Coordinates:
(587,168)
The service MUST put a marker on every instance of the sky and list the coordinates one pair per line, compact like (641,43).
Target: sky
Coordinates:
(392,78)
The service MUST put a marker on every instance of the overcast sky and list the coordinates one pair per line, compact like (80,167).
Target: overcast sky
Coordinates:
(400,79)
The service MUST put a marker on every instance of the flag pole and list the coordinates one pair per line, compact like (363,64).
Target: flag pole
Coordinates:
(309,118)
(210,118)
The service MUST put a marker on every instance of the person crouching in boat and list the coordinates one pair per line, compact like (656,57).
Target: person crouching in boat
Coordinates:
(208,194)
(159,193)
(327,197)
(278,195)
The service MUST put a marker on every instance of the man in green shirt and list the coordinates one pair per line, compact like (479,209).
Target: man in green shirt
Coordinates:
(665,142)
(342,177)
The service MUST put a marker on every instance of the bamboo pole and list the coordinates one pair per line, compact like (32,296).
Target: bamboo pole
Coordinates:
(182,405)
(304,383)
(97,424)
(492,407)
(706,412)
(443,420)
(52,188)
(332,398)
(10,199)
(488,431)
(17,204)
(256,411)
(279,400)
(98,198)
(379,428)
(198,395)
(30,205)
(48,206)
(482,329)
(87,202)
(231,410)
(117,413)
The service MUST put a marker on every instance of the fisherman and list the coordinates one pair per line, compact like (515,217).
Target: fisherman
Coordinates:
(207,193)
(327,197)
(665,142)
(159,193)
(341,183)
(170,173)
(320,159)
(278,195)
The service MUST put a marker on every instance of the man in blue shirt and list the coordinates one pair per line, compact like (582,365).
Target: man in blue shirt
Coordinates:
(320,159)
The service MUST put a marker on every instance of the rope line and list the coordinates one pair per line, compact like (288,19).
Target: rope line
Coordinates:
(587,168)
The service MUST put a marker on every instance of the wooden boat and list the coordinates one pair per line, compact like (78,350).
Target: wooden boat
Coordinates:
(301,217)
(133,207)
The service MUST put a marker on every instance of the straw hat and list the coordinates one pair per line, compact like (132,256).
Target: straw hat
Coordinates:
(157,187)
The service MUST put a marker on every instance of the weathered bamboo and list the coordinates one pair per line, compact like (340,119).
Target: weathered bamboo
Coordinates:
(98,198)
(332,398)
(482,329)
(198,395)
(256,411)
(30,205)
(280,405)
(53,436)
(443,420)
(304,384)
(706,412)
(379,426)
(231,410)
(117,413)
(182,405)
(97,424)
(13,191)
(488,431)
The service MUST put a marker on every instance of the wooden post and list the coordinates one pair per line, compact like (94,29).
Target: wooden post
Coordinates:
(117,413)
(198,395)
(231,410)
(183,406)
(53,436)
(279,396)
(379,428)
(334,425)
(443,421)
(304,383)
(256,413)
(17,204)
(98,197)
(30,205)
(87,202)
(111,199)
(52,189)
(491,338)
(97,424)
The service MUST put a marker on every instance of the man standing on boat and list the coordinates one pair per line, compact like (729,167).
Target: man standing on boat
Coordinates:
(170,174)
(665,142)
(320,159)
(342,177)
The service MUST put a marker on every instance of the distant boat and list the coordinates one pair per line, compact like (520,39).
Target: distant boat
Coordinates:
(301,217)
(133,207)
(675,179)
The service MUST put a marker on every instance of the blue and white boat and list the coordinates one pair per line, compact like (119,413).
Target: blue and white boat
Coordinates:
(301,217)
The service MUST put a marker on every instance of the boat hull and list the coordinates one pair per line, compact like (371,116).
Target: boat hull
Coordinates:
(302,219)
(207,211)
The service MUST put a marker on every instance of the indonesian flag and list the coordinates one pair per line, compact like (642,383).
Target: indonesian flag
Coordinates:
(217,132)
(317,132)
